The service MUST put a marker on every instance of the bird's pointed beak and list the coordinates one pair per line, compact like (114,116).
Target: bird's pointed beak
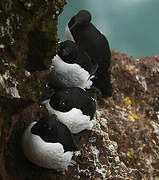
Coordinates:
(65,52)
(93,71)
(35,129)
(74,25)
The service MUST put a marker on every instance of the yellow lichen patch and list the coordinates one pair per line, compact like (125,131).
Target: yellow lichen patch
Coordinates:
(131,118)
(130,155)
(128,101)
(117,159)
(148,96)
(134,115)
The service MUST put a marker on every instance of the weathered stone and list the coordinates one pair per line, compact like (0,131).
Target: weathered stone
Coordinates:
(124,142)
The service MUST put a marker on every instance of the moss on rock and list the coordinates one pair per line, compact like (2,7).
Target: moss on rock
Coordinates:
(28,41)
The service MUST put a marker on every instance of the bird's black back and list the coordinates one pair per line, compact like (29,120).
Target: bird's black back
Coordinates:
(93,42)
(52,131)
(71,53)
(90,39)
(67,98)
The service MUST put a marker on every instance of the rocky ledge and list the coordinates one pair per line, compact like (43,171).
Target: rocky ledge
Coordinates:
(124,143)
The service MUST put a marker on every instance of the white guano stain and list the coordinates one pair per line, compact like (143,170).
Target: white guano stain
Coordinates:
(155,127)
(141,79)
(155,70)
(157,114)
(13,91)
(100,168)
(2,46)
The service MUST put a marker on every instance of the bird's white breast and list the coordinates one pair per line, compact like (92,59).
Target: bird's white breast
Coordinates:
(74,119)
(68,34)
(70,75)
(43,154)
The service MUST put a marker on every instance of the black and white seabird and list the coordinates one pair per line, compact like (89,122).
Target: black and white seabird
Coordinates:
(74,107)
(48,143)
(71,67)
(90,39)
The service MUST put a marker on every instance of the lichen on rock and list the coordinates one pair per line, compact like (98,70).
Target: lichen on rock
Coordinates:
(28,37)
(123,144)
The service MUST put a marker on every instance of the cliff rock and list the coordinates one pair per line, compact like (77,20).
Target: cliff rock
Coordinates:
(124,143)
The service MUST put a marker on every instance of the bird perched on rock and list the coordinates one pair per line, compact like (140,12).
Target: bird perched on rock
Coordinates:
(73,107)
(48,143)
(71,67)
(90,39)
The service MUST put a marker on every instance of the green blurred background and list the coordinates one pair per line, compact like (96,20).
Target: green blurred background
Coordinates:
(131,26)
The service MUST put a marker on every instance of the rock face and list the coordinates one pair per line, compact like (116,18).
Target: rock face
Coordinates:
(124,143)
(28,31)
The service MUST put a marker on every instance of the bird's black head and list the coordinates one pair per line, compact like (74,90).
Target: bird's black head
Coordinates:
(62,100)
(71,53)
(82,18)
(53,131)
(46,128)
(68,51)
(73,97)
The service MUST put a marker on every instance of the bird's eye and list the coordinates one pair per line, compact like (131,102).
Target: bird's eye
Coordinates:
(45,125)
(49,128)
(62,103)
(65,52)
(67,92)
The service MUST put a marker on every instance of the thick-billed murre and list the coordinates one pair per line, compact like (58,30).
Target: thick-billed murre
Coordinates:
(74,107)
(90,39)
(71,67)
(48,143)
